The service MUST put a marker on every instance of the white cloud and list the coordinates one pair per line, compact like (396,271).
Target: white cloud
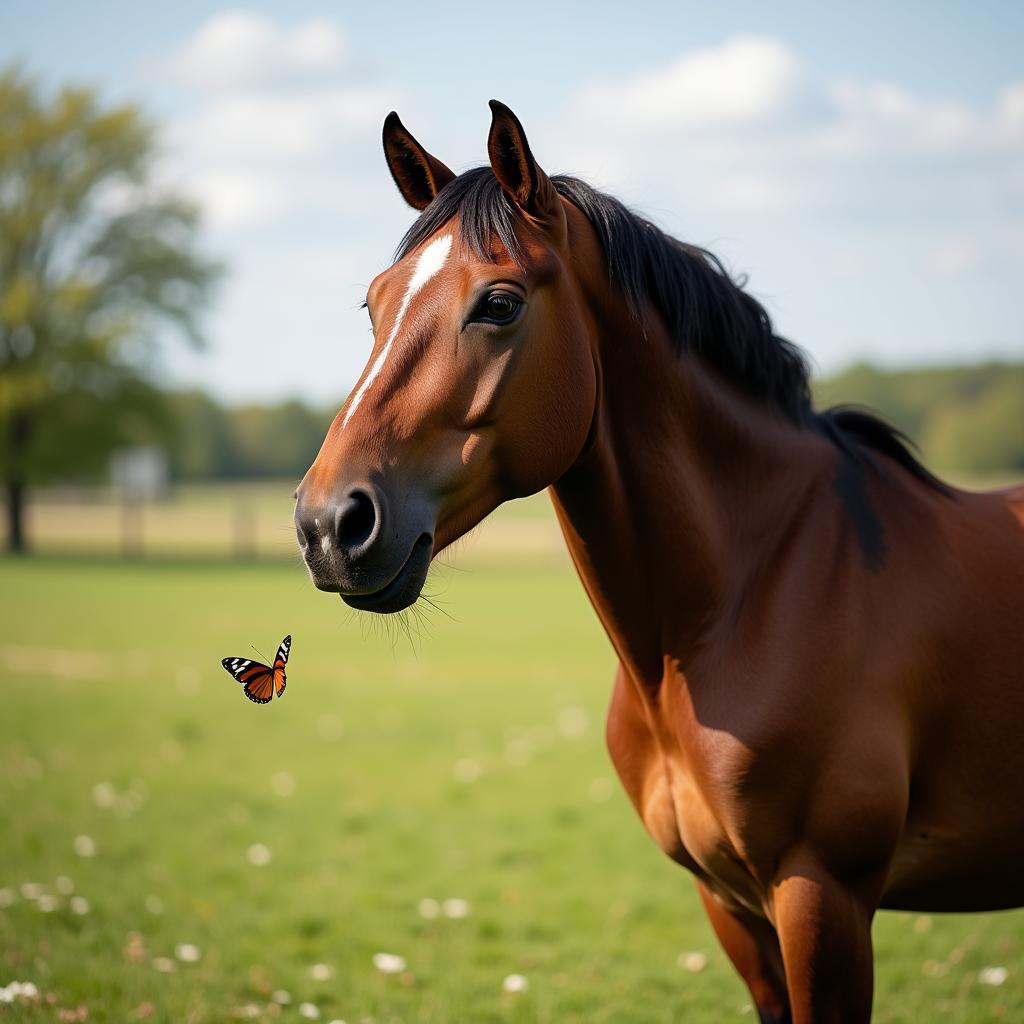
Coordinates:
(746,192)
(744,129)
(279,127)
(240,49)
(235,198)
(873,218)
(956,257)
(239,199)
(745,79)
(1010,111)
(879,118)
(282,128)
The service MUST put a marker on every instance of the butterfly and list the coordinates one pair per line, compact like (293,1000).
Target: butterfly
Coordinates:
(260,681)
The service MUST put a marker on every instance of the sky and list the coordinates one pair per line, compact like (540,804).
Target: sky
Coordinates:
(862,165)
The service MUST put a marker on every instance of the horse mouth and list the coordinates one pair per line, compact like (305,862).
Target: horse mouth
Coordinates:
(404,588)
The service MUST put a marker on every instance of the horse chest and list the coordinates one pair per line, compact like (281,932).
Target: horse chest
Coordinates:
(701,834)
(671,795)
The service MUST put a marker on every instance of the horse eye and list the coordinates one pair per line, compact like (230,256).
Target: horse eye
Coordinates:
(499,307)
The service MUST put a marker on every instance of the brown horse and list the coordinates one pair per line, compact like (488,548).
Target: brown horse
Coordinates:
(819,706)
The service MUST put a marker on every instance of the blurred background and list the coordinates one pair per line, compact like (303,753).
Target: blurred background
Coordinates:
(192,203)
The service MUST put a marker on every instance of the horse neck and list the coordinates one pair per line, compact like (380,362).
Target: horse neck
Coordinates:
(684,487)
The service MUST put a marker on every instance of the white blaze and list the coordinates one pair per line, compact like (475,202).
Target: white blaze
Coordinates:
(430,261)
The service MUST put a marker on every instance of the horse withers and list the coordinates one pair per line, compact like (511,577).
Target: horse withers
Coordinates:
(819,703)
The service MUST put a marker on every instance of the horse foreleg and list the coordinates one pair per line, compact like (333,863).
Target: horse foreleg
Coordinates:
(824,929)
(753,947)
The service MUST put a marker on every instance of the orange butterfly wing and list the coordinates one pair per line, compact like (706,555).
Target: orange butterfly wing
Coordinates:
(259,681)
(260,688)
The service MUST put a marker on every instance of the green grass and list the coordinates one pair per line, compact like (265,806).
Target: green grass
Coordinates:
(112,679)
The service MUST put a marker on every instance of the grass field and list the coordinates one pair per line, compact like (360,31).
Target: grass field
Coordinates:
(171,852)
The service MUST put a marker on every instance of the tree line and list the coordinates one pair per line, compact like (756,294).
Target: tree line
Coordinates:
(966,420)
(211,441)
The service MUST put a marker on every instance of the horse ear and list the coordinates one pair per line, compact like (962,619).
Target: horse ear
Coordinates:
(418,175)
(517,171)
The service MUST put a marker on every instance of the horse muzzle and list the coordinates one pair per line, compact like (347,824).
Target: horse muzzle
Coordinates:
(370,550)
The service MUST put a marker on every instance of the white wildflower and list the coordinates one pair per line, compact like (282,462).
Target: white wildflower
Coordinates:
(80,905)
(31,890)
(692,962)
(309,1010)
(993,975)
(164,964)
(572,722)
(187,953)
(85,846)
(321,972)
(389,963)
(18,990)
(429,908)
(47,904)
(455,908)
(259,855)
(282,997)
(515,983)
(64,885)
(104,795)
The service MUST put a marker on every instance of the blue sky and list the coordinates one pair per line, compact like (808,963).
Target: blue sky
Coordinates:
(863,164)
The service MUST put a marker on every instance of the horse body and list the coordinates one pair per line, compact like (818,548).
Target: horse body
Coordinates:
(820,691)
(708,557)
(857,737)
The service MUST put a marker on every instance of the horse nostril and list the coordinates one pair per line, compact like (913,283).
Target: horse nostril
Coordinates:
(305,527)
(356,520)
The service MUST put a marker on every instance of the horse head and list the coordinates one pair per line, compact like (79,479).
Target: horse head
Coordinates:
(481,384)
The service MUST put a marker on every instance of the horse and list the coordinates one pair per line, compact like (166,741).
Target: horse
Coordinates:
(819,699)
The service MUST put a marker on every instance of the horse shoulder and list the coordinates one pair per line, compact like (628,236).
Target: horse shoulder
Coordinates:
(640,766)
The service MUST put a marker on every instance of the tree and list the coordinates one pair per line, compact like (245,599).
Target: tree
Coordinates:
(97,265)
(201,448)
(278,440)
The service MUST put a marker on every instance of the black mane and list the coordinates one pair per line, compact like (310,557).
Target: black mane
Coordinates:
(706,312)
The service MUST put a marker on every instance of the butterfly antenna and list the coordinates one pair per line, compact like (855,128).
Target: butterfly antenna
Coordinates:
(260,653)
